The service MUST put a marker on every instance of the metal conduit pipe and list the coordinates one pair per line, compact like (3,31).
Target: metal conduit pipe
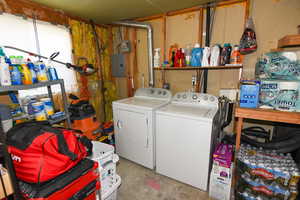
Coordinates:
(150,44)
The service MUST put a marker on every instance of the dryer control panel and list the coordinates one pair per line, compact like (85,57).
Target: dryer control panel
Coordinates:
(193,98)
(157,93)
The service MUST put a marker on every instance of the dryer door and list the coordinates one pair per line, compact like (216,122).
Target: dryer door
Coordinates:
(132,137)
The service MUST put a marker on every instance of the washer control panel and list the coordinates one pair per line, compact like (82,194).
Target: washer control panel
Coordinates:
(195,98)
(157,93)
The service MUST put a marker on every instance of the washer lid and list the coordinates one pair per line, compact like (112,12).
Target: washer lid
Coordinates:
(142,102)
(206,113)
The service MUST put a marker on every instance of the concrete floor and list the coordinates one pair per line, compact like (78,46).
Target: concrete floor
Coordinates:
(139,183)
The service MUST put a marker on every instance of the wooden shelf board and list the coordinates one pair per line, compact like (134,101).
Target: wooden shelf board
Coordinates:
(289,41)
(201,68)
(268,115)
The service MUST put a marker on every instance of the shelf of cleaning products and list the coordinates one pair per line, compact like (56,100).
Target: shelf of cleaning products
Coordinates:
(27,87)
(265,115)
(201,68)
(289,41)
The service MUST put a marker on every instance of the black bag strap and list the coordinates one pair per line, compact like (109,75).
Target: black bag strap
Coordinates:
(62,144)
(87,143)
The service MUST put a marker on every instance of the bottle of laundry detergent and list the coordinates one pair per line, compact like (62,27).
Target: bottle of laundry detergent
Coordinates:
(196,56)
(32,70)
(4,72)
(15,73)
(26,73)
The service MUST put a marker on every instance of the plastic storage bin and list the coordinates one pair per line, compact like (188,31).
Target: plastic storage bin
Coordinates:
(107,159)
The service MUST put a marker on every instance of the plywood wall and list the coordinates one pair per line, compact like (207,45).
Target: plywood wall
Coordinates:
(273,19)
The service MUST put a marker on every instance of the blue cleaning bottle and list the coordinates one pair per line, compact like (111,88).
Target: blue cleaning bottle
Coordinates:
(15,73)
(197,54)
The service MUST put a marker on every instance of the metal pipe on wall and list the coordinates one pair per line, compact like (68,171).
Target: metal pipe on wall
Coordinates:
(150,44)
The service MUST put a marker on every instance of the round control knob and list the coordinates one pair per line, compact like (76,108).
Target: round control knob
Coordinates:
(178,96)
(164,92)
(211,99)
(184,96)
(151,91)
(205,98)
(159,92)
(194,97)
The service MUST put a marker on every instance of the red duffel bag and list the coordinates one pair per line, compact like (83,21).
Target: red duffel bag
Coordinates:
(41,152)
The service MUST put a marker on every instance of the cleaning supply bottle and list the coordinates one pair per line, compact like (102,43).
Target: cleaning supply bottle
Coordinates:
(26,74)
(51,71)
(32,70)
(196,56)
(205,57)
(188,55)
(41,72)
(225,54)
(177,58)
(182,58)
(215,55)
(236,57)
(15,73)
(4,72)
(157,57)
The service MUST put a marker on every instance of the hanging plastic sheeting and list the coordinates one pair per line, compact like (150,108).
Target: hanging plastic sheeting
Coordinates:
(248,43)
(84,46)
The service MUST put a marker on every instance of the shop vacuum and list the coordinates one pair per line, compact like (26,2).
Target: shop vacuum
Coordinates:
(83,117)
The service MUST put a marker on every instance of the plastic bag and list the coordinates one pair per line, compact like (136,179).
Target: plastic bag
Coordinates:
(248,42)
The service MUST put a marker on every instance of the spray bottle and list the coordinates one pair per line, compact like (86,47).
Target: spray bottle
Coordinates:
(4,72)
(157,57)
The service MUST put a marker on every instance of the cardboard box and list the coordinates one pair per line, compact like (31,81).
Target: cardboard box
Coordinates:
(220,186)
(7,184)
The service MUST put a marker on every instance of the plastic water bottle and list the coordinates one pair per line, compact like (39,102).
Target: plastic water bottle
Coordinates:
(4,72)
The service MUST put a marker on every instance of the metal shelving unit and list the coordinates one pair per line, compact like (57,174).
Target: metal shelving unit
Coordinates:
(48,85)
(7,156)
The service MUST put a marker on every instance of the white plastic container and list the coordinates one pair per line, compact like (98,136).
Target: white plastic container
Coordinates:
(4,72)
(107,159)
(157,57)
(112,192)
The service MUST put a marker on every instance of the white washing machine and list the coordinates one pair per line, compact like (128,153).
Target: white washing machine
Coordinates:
(134,123)
(186,133)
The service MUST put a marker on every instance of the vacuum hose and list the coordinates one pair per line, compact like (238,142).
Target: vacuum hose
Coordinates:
(286,144)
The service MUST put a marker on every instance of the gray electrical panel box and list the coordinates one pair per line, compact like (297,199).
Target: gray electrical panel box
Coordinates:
(118,65)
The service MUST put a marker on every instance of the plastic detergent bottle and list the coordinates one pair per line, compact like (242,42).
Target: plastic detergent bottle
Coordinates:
(188,55)
(205,57)
(157,57)
(26,74)
(31,68)
(4,72)
(15,73)
(225,54)
(51,72)
(215,55)
(236,57)
(288,95)
(41,72)
(196,56)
